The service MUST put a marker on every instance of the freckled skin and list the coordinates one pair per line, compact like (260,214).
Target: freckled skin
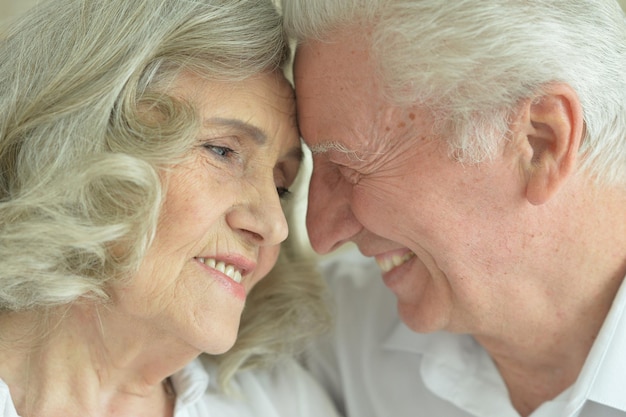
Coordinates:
(385,209)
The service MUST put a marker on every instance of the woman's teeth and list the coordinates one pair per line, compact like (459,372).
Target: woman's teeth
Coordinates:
(228,270)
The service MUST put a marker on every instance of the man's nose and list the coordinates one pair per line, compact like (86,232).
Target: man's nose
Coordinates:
(329,220)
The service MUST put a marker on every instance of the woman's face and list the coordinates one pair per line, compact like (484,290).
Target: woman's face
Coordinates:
(222,222)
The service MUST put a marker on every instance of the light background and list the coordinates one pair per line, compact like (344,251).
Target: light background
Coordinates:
(11,8)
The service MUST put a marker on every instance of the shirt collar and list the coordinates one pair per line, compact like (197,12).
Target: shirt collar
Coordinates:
(601,379)
(603,376)
(454,350)
(455,368)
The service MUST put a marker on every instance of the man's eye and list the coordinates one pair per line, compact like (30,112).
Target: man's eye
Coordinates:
(350,174)
(222,151)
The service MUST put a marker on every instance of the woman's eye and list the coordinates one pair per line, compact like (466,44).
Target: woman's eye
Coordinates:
(221,151)
(283,193)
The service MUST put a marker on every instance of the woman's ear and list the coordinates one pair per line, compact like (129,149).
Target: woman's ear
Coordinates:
(552,126)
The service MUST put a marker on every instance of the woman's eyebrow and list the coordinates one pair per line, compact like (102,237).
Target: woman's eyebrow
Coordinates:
(250,130)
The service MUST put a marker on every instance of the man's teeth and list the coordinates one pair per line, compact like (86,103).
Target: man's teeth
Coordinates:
(388,263)
(228,270)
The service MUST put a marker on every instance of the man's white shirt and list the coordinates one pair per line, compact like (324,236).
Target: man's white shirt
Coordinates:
(374,366)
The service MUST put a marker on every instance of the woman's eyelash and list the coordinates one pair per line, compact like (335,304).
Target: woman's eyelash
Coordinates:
(283,193)
(225,152)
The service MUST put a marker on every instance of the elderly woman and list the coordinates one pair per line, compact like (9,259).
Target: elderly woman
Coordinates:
(144,149)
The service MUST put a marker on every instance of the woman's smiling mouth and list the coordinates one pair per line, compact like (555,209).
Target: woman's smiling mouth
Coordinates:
(226,269)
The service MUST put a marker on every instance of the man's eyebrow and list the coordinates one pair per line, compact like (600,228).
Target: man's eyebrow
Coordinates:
(250,130)
(325,147)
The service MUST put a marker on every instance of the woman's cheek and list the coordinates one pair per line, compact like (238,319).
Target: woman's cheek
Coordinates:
(267,259)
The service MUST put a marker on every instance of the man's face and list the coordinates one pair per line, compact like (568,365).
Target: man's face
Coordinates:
(384,181)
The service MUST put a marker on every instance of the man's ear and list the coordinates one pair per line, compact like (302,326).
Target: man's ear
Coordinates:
(553,127)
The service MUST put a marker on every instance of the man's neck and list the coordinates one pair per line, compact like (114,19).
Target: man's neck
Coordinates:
(538,362)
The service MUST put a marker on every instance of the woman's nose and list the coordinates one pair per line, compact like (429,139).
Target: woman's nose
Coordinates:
(260,216)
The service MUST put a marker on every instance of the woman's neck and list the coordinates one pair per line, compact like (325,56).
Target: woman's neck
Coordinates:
(87,360)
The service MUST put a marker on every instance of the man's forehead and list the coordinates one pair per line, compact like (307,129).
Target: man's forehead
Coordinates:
(340,53)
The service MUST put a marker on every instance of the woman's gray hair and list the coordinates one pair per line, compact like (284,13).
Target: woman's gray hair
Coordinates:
(473,62)
(79,161)
(81,164)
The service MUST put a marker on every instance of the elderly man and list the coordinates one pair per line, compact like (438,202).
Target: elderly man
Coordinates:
(477,151)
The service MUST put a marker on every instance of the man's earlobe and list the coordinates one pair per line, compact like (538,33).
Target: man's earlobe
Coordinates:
(554,130)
